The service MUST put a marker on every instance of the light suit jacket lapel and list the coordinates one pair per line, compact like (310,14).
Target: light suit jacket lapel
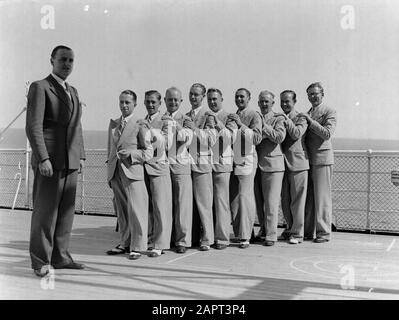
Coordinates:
(114,129)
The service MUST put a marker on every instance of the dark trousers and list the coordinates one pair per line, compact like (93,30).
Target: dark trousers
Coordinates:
(52,217)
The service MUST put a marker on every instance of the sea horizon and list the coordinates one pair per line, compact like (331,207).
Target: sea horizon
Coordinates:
(15,138)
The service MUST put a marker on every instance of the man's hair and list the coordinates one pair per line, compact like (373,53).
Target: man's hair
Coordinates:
(174,89)
(215,90)
(201,86)
(131,93)
(267,92)
(246,90)
(153,92)
(316,85)
(291,92)
(54,52)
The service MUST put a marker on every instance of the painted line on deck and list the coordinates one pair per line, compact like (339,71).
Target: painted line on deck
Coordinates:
(179,258)
(391,245)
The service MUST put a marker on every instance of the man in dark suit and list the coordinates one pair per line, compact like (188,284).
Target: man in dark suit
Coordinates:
(54,131)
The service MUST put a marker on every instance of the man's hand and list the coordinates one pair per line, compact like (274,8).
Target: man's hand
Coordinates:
(189,124)
(143,122)
(81,165)
(231,126)
(165,126)
(234,117)
(166,117)
(123,154)
(46,168)
(305,115)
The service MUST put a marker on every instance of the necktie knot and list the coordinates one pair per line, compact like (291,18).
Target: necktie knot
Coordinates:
(123,124)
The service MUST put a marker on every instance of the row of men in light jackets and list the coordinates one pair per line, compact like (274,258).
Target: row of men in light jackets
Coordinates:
(224,168)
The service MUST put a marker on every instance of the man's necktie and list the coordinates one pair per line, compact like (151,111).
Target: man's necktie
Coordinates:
(122,126)
(68,90)
(192,115)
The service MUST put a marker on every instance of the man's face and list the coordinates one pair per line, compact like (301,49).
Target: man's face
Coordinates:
(215,101)
(196,95)
(173,100)
(126,104)
(265,102)
(315,96)
(287,102)
(152,104)
(62,63)
(242,99)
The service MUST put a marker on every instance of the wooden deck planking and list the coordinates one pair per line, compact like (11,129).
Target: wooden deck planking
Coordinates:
(305,271)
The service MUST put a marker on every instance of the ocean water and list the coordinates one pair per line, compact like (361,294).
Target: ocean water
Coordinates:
(16,138)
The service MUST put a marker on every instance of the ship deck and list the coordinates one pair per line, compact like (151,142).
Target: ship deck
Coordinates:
(351,266)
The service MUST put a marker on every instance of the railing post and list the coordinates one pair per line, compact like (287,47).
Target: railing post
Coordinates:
(27,175)
(369,155)
(82,194)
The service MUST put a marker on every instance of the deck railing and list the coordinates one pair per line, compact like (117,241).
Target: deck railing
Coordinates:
(364,197)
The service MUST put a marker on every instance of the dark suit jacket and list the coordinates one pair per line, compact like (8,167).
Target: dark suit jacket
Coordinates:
(53,125)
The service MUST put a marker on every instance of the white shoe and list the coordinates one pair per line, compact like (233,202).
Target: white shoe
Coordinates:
(294,241)
(154,253)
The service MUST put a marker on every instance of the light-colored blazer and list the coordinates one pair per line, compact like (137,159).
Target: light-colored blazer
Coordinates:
(158,165)
(248,136)
(53,125)
(293,146)
(270,156)
(320,132)
(200,148)
(222,151)
(137,140)
(178,155)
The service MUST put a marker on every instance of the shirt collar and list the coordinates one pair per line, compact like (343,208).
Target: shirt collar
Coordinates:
(59,80)
(127,118)
(313,109)
(173,114)
(152,117)
(196,110)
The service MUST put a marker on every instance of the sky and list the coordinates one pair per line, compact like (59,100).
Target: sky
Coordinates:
(351,47)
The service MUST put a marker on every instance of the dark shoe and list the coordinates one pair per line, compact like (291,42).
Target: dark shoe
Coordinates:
(268,243)
(243,244)
(258,239)
(71,265)
(43,271)
(204,248)
(155,253)
(283,237)
(118,250)
(134,255)
(220,246)
(180,249)
(320,240)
